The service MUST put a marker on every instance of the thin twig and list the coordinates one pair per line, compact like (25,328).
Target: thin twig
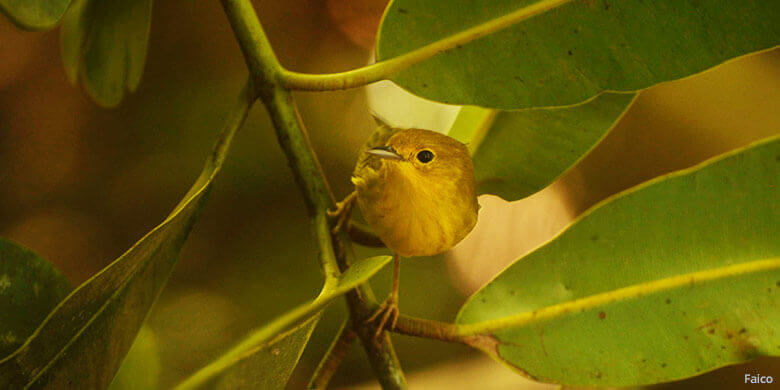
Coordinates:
(333,358)
(361,234)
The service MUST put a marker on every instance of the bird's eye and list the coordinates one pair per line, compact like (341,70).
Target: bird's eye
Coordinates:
(425,156)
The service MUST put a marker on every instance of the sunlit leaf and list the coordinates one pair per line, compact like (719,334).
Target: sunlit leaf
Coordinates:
(30,288)
(104,45)
(667,280)
(241,357)
(517,153)
(571,53)
(84,339)
(34,14)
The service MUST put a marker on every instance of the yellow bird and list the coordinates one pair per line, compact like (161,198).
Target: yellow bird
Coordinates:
(416,189)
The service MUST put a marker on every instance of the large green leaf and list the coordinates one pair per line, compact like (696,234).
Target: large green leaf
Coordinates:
(517,153)
(30,288)
(34,14)
(104,44)
(251,354)
(84,339)
(672,278)
(573,52)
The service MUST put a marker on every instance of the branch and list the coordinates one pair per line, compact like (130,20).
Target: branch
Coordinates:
(363,235)
(384,69)
(265,68)
(333,358)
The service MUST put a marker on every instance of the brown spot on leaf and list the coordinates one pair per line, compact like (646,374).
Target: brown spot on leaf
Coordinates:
(602,315)
(668,301)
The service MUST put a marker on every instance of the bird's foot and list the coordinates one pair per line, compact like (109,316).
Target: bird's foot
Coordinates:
(387,312)
(342,212)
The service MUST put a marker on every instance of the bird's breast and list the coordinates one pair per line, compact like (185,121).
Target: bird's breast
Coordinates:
(414,215)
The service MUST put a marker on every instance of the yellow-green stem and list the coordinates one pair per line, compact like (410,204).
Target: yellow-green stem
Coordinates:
(384,69)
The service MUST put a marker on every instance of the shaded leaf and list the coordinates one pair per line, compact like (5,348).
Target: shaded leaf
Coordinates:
(270,366)
(670,279)
(142,367)
(241,358)
(517,153)
(573,52)
(104,45)
(34,14)
(83,341)
(30,288)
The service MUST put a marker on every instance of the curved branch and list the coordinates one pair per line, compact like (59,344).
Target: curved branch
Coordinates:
(384,69)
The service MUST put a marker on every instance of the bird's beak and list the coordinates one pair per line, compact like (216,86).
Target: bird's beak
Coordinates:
(385,152)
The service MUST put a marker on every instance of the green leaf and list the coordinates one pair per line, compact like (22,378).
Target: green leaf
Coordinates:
(573,52)
(241,357)
(670,279)
(142,367)
(104,44)
(84,339)
(30,288)
(517,153)
(34,14)
(272,363)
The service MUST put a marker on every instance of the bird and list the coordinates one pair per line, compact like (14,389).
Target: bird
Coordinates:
(416,190)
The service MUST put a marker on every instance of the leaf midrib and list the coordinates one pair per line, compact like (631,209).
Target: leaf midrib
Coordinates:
(618,295)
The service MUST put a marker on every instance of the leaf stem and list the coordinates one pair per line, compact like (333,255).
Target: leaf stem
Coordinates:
(333,358)
(384,69)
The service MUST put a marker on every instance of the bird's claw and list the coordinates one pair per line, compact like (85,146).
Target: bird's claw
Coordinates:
(387,312)
(342,212)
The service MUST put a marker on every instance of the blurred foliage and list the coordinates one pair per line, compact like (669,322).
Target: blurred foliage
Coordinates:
(80,184)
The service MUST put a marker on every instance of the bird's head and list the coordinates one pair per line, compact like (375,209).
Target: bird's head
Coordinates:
(425,155)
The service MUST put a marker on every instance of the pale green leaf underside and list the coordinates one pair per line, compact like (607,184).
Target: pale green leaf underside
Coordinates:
(716,218)
(30,288)
(104,44)
(34,14)
(520,152)
(84,339)
(241,357)
(571,53)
